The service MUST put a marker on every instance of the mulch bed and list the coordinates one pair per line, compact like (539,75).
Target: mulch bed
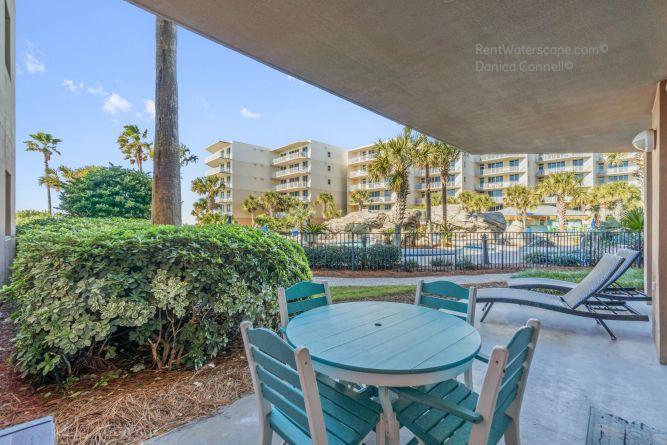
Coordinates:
(403,274)
(123,407)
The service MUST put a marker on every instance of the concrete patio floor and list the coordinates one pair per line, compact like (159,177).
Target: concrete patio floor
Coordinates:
(576,366)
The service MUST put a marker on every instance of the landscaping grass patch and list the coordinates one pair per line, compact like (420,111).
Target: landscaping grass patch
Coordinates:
(350,293)
(634,277)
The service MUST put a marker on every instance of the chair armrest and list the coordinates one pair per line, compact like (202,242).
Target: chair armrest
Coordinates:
(482,358)
(439,404)
(282,330)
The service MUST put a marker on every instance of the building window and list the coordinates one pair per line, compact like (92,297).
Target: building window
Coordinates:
(514,178)
(328,168)
(328,154)
(514,163)
(8,40)
(578,162)
(8,204)
(329,181)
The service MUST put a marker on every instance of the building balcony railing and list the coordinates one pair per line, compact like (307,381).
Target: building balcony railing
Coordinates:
(552,156)
(292,185)
(362,158)
(379,199)
(500,170)
(224,199)
(357,173)
(370,186)
(484,158)
(290,157)
(619,169)
(435,186)
(218,170)
(494,185)
(568,168)
(290,171)
(218,156)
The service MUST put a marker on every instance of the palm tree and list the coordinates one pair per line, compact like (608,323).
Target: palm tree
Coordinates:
(52,180)
(251,205)
(271,201)
(473,202)
(326,200)
(561,186)
(166,207)
(593,201)
(393,162)
(443,155)
(360,197)
(521,198)
(45,144)
(621,196)
(424,157)
(134,146)
(209,187)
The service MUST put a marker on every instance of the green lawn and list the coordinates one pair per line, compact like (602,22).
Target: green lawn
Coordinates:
(367,292)
(632,278)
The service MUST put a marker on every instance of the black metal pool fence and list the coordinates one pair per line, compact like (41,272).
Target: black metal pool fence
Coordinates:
(416,251)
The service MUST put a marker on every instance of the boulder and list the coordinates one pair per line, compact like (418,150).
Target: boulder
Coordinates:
(515,227)
(470,222)
(357,222)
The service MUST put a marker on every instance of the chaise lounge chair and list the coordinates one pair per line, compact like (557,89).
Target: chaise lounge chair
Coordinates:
(610,290)
(583,300)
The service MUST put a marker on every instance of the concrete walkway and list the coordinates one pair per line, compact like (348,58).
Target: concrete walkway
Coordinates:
(576,366)
(411,281)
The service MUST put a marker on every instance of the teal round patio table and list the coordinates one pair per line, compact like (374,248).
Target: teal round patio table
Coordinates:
(385,344)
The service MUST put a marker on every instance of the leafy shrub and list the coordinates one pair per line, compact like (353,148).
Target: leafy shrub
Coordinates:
(440,263)
(344,257)
(27,216)
(553,259)
(108,192)
(411,265)
(464,264)
(633,220)
(85,290)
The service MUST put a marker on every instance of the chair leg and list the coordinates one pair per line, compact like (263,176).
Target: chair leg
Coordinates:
(512,436)
(606,328)
(485,311)
(265,434)
(467,378)
(381,431)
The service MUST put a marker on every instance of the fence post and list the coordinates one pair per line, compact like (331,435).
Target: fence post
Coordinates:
(352,234)
(485,249)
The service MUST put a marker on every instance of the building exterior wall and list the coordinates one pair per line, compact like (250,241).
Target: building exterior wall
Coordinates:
(7,138)
(246,169)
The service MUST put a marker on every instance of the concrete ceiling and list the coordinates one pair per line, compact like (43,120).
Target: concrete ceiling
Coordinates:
(425,64)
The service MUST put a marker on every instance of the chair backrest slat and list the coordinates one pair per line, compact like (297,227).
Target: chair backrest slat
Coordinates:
(301,297)
(593,282)
(284,380)
(505,381)
(303,289)
(447,296)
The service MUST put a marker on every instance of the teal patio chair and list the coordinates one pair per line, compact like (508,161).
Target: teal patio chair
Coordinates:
(450,413)
(301,297)
(295,404)
(451,298)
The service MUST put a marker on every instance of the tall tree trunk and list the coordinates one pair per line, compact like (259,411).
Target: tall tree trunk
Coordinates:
(444,175)
(560,210)
(48,187)
(524,219)
(166,164)
(427,174)
(402,202)
(139,164)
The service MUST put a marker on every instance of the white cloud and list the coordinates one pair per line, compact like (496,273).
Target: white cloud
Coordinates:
(33,64)
(249,114)
(115,104)
(72,86)
(149,107)
(97,90)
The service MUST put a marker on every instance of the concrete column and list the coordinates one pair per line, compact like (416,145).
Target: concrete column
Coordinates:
(658,221)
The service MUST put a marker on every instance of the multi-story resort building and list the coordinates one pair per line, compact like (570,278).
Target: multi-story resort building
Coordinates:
(305,169)
(302,169)
(246,170)
(494,173)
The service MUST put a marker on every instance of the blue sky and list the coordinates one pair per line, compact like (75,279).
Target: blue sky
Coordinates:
(87,68)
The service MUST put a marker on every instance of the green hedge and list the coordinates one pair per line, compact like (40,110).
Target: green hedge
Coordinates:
(344,257)
(553,259)
(90,289)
